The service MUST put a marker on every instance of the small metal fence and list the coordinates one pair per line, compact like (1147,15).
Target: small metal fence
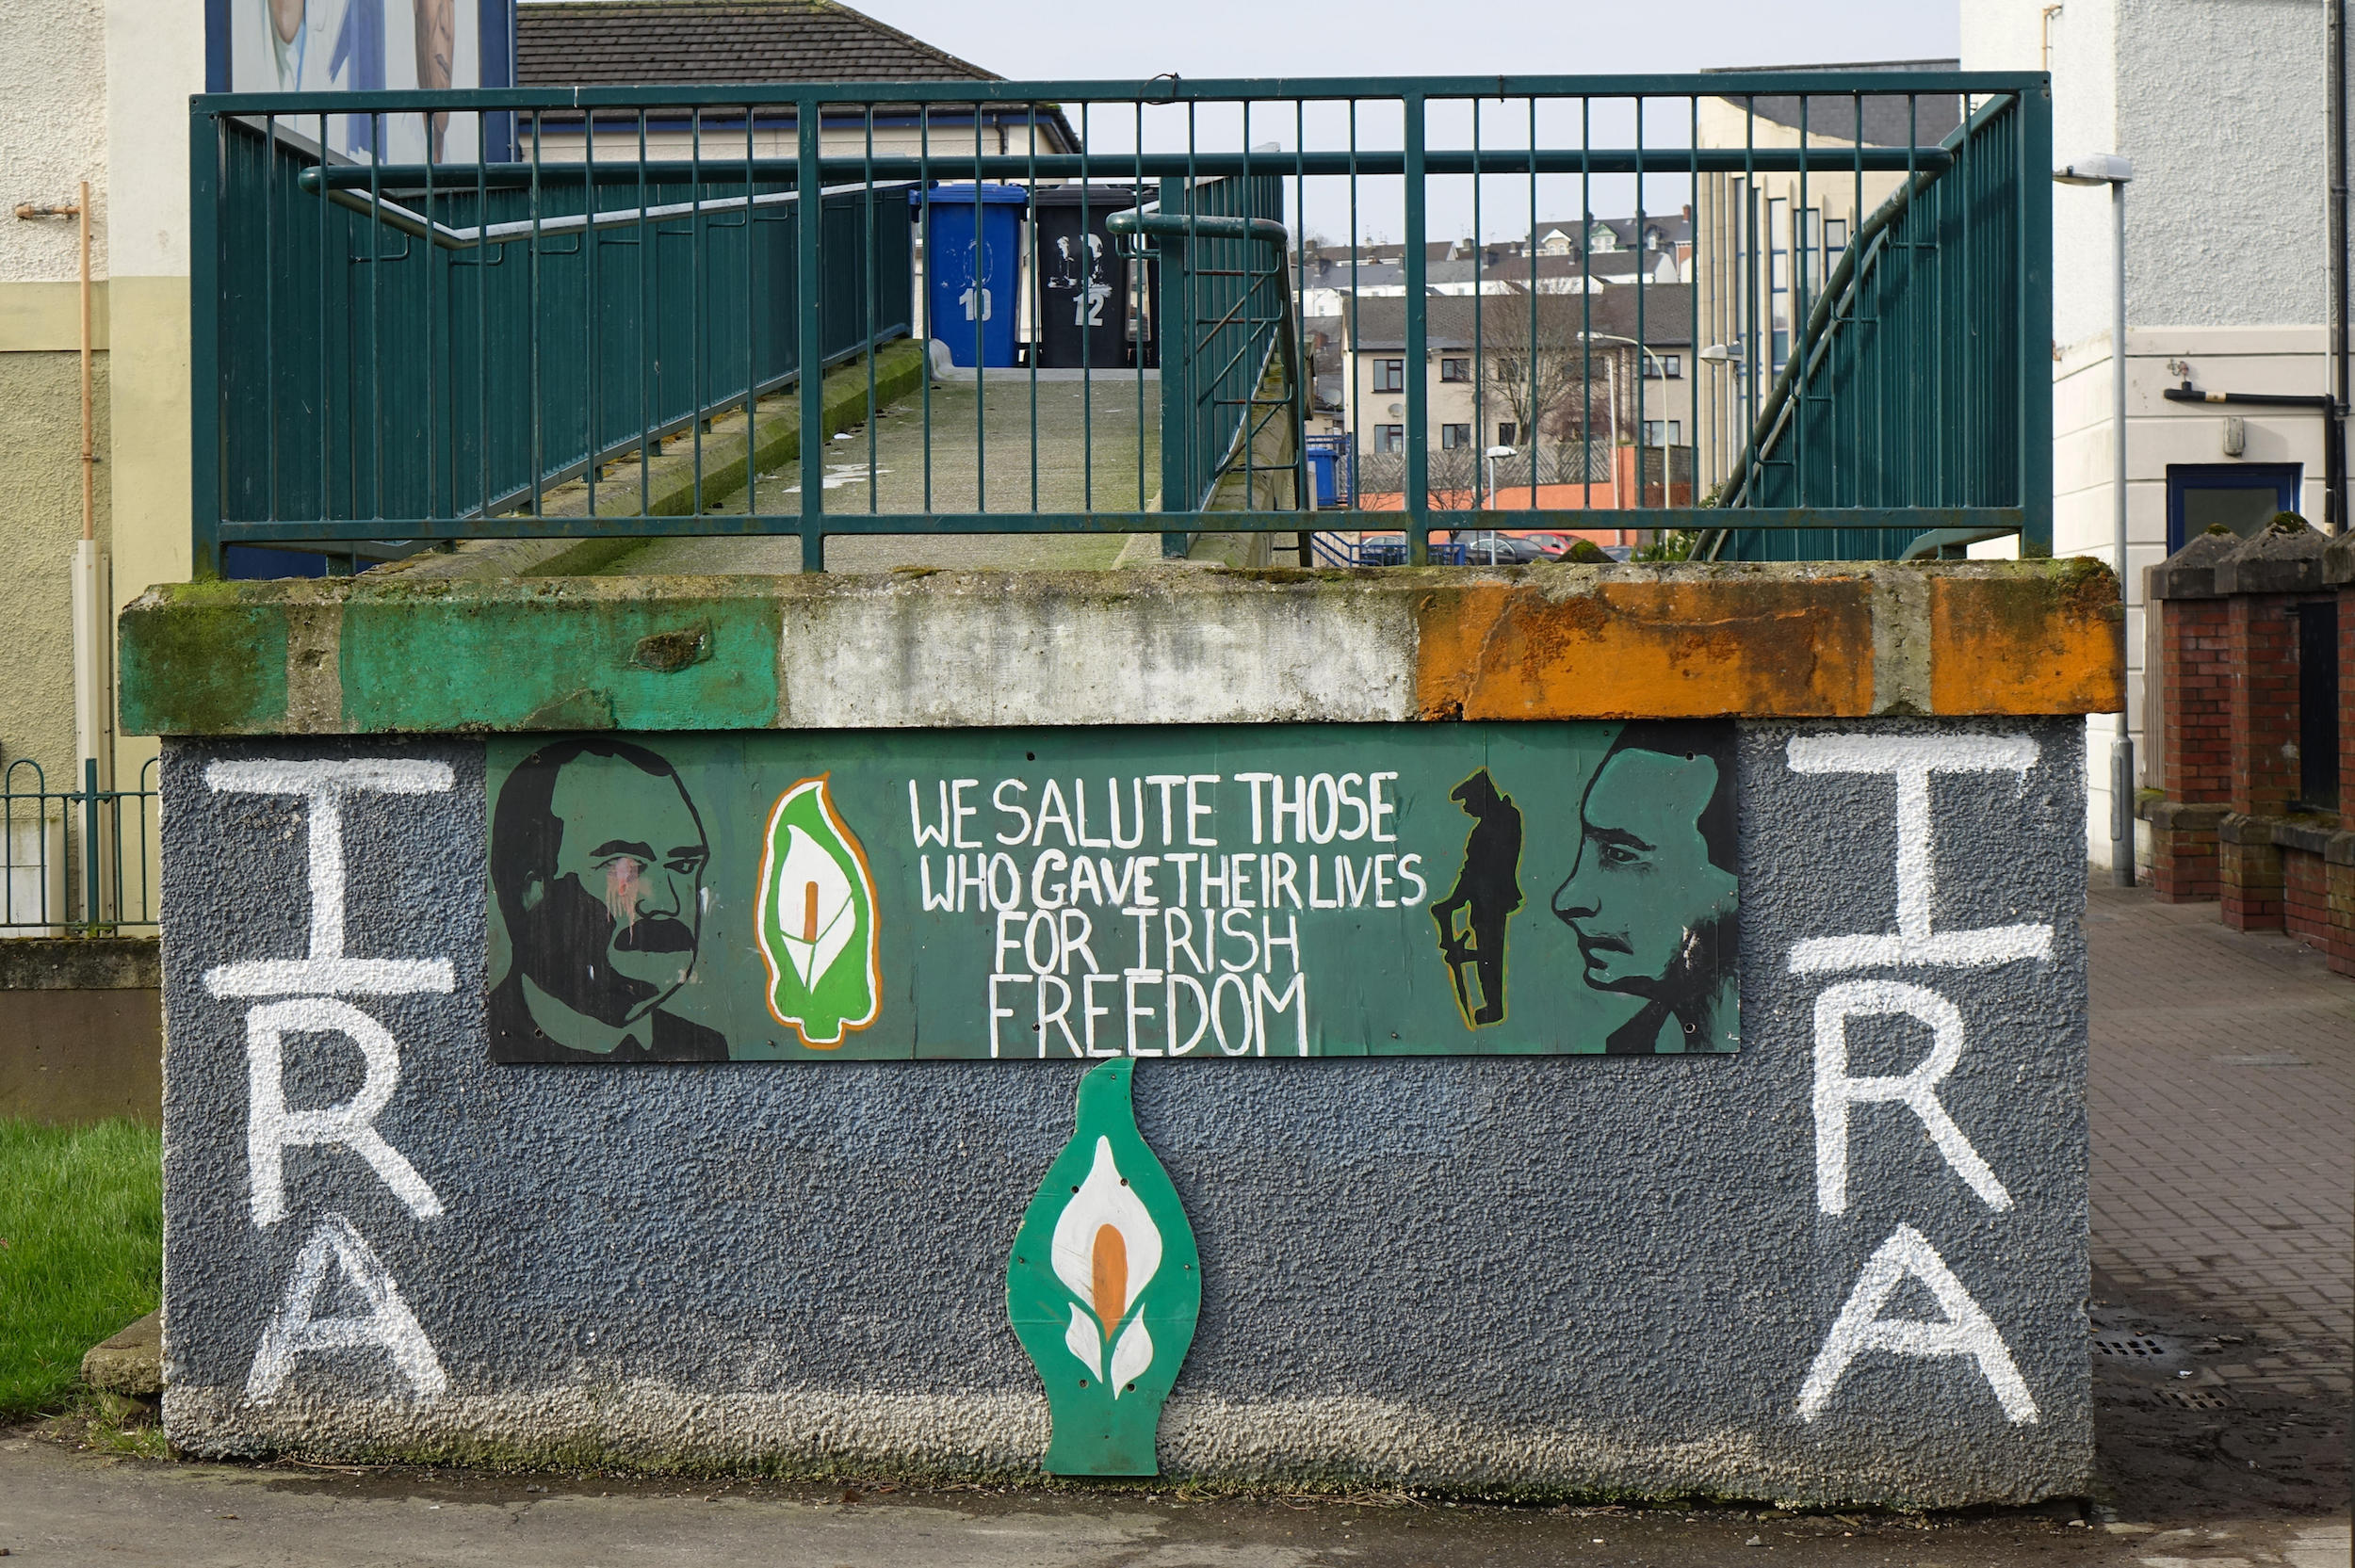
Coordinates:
(77,862)
(439,317)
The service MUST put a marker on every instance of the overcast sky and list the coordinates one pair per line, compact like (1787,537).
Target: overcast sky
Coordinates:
(1032,38)
(1047,39)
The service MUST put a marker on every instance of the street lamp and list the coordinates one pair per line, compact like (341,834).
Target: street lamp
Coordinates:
(1493,453)
(1722,355)
(2109,169)
(1668,496)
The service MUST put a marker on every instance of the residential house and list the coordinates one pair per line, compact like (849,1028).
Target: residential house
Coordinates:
(2228,260)
(694,42)
(1328,275)
(1770,239)
(1610,370)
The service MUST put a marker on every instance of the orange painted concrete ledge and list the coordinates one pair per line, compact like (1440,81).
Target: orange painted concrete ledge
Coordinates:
(1824,641)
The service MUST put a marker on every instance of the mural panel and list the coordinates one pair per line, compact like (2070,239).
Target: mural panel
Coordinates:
(1203,893)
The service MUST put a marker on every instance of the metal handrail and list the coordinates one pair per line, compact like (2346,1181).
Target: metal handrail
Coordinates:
(1140,223)
(1834,309)
(1856,260)
(346,194)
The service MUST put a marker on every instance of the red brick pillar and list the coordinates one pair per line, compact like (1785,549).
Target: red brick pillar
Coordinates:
(2263,579)
(2190,730)
(2338,570)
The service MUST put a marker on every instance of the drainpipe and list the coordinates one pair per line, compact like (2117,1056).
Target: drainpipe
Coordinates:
(2334,434)
(91,689)
(2331,407)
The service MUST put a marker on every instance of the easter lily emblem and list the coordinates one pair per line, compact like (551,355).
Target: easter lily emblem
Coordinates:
(1106,1249)
(1104,1288)
(817,920)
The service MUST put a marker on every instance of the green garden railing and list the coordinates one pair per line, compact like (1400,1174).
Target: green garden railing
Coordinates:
(77,862)
(1820,295)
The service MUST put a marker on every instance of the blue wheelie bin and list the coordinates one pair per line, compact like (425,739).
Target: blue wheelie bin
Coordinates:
(974,268)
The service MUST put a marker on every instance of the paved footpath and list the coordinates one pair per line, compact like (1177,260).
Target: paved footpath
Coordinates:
(2223,1092)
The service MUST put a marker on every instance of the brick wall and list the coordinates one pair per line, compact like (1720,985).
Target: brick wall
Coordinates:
(2338,944)
(2225,650)
(2261,643)
(2193,728)
(2196,681)
(2305,897)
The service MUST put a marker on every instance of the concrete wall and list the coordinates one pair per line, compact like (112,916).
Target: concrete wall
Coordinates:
(53,125)
(154,61)
(1585,1274)
(2221,105)
(93,90)
(1541,1274)
(53,129)
(81,1029)
(40,517)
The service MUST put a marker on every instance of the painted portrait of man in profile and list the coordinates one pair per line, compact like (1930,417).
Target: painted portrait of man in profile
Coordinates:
(1652,898)
(597,860)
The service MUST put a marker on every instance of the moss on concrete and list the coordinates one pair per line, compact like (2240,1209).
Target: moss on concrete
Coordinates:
(425,655)
(204,658)
(671,481)
(446,658)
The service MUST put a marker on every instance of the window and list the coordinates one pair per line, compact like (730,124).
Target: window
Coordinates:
(1669,365)
(1390,374)
(1389,438)
(1508,434)
(2241,495)
(1455,436)
(1456,370)
(1652,428)
(1836,233)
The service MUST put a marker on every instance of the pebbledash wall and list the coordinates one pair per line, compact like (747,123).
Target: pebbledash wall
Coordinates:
(1846,1263)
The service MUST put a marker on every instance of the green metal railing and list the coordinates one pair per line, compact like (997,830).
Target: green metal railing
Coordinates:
(453,341)
(482,347)
(1231,367)
(77,862)
(1883,403)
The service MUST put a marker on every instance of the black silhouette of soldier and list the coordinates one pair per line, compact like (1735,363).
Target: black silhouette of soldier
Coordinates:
(1487,890)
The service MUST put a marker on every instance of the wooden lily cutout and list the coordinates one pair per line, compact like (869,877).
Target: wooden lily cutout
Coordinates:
(1105,1287)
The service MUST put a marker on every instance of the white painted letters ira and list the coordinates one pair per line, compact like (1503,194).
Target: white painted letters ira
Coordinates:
(1966,1332)
(1917,1090)
(389,1325)
(325,971)
(1911,759)
(271,1128)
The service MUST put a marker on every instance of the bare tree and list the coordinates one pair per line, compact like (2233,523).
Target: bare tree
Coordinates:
(1535,364)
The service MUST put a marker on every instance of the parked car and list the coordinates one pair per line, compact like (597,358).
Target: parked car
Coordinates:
(1487,548)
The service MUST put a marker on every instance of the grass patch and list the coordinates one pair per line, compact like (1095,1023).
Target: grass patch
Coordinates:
(81,1249)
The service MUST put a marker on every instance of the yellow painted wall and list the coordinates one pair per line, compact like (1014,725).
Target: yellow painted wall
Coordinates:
(40,517)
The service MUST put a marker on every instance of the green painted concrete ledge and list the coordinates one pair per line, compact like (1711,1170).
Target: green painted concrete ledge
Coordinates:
(413,653)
